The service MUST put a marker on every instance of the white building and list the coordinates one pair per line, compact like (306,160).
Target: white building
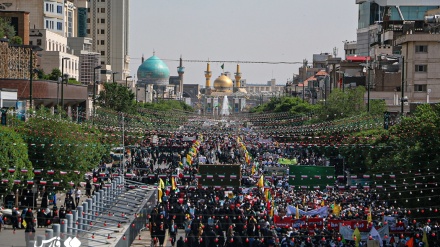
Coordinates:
(108,26)
(422,67)
(54,50)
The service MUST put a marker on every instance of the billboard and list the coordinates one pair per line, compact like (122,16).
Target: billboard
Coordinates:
(311,177)
(219,175)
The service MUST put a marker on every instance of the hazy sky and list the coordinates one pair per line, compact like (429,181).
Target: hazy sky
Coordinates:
(239,30)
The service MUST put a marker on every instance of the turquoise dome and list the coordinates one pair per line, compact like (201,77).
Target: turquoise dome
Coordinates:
(153,71)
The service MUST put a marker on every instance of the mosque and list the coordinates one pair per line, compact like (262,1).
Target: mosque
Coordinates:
(154,82)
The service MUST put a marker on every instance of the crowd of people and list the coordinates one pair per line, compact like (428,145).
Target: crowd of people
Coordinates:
(248,215)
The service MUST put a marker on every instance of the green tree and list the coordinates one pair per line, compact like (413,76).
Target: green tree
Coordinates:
(6,30)
(344,104)
(294,105)
(55,74)
(61,145)
(13,154)
(117,97)
(16,40)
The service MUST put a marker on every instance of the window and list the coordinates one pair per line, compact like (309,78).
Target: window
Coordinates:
(38,41)
(102,31)
(88,10)
(103,53)
(102,10)
(59,26)
(31,42)
(47,7)
(88,20)
(419,88)
(88,31)
(98,20)
(102,20)
(59,9)
(102,42)
(102,63)
(421,68)
(421,48)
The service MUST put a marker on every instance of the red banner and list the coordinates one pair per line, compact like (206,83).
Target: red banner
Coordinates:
(315,223)
(282,221)
(361,224)
(334,224)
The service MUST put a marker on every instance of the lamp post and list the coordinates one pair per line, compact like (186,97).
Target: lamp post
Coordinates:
(367,69)
(126,80)
(94,91)
(114,73)
(62,80)
(31,70)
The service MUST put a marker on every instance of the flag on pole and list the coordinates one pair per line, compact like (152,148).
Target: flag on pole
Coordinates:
(161,184)
(261,182)
(369,217)
(223,66)
(425,239)
(410,242)
(159,194)
(173,183)
(357,236)
(297,212)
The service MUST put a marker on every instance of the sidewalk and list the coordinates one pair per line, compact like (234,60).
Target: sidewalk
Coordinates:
(9,238)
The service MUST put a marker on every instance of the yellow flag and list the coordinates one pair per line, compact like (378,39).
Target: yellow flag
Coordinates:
(253,169)
(369,217)
(356,237)
(159,194)
(425,239)
(173,183)
(261,182)
(297,212)
(188,159)
(272,209)
(161,184)
(337,209)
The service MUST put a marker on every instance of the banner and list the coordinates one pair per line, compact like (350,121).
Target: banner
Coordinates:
(282,221)
(322,212)
(347,233)
(395,227)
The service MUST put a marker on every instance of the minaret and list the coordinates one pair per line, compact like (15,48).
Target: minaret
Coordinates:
(208,75)
(181,71)
(238,77)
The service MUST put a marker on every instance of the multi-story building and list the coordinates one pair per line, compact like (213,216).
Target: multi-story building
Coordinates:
(421,79)
(55,49)
(380,22)
(44,14)
(108,26)
(88,60)
(20,21)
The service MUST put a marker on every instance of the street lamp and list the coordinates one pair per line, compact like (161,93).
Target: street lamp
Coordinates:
(62,80)
(367,67)
(126,80)
(94,91)
(114,73)
(31,70)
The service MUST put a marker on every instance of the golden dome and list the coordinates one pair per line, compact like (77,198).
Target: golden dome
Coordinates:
(223,83)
